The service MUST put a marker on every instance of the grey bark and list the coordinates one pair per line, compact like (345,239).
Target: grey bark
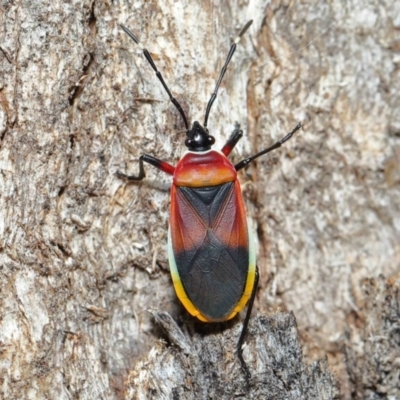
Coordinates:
(205,366)
(82,253)
(373,346)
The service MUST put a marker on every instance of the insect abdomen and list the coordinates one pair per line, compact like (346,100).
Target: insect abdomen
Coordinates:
(209,250)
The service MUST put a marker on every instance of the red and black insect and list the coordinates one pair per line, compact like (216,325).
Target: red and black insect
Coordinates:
(210,247)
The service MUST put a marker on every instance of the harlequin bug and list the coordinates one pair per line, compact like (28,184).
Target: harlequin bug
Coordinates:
(210,246)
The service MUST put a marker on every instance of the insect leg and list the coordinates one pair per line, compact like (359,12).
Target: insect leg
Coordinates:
(158,73)
(161,165)
(233,139)
(245,368)
(247,161)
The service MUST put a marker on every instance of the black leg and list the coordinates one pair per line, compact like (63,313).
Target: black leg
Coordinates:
(162,165)
(247,161)
(236,135)
(221,75)
(158,73)
(244,366)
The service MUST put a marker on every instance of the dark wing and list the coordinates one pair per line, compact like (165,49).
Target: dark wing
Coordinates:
(210,245)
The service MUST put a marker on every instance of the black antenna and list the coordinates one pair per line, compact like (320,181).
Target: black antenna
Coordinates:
(158,73)
(228,59)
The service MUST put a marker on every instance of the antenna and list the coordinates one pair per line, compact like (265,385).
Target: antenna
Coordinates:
(228,59)
(158,73)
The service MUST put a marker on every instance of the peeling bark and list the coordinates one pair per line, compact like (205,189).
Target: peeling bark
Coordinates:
(205,365)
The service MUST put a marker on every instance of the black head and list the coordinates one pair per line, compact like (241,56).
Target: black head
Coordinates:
(198,138)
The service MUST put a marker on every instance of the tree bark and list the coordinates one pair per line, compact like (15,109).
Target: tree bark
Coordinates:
(204,365)
(82,252)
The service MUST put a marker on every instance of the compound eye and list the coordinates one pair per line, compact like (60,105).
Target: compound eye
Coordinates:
(188,142)
(211,140)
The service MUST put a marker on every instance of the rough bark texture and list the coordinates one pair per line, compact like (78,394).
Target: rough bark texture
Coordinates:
(373,347)
(199,366)
(82,253)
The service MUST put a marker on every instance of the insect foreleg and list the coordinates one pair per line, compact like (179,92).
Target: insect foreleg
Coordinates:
(236,135)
